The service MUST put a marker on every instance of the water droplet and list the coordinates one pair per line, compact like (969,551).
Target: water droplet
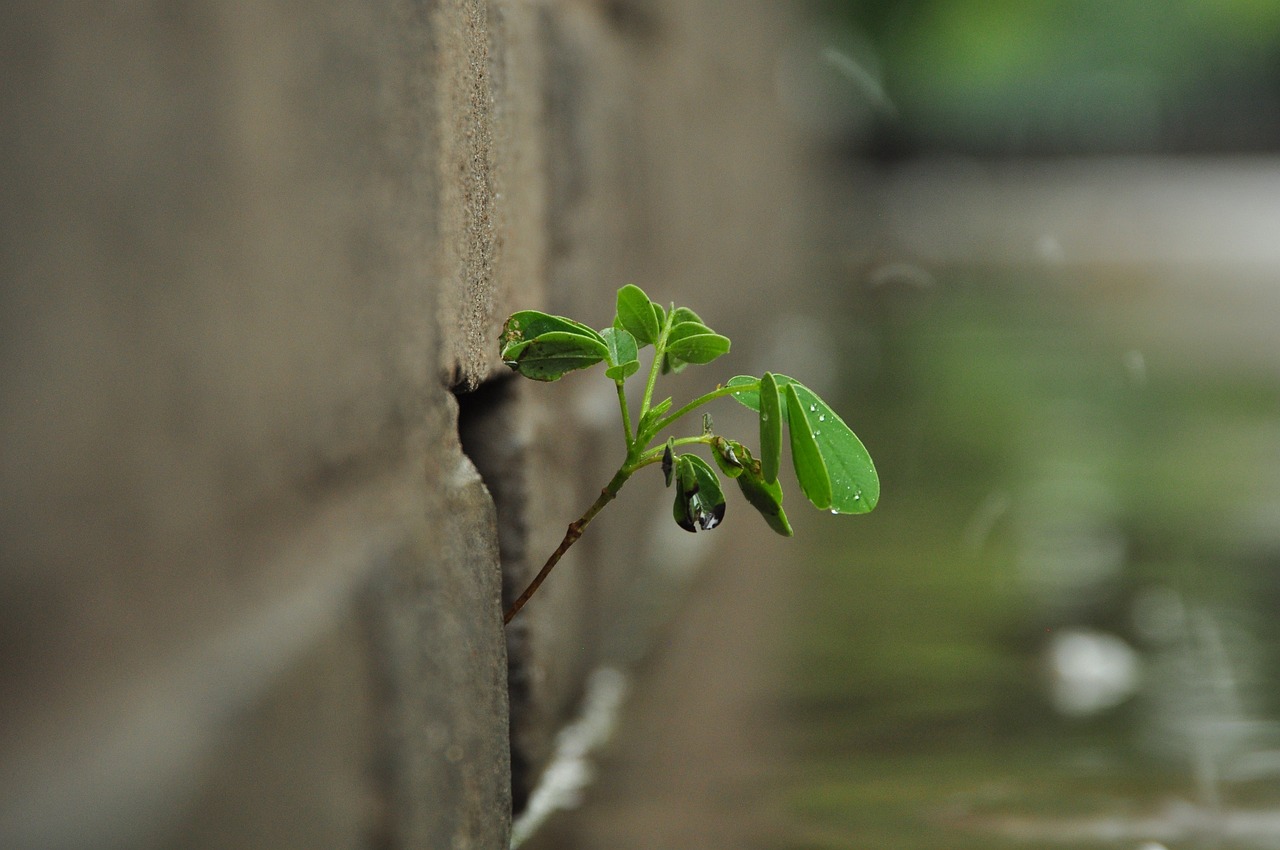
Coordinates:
(822,418)
(816,433)
(812,408)
(857,496)
(764,417)
(834,512)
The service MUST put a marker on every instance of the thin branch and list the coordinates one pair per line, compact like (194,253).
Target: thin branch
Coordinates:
(718,392)
(626,414)
(570,537)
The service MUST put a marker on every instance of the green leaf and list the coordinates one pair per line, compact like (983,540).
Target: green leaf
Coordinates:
(729,455)
(680,330)
(749,395)
(765,498)
(770,429)
(694,342)
(621,347)
(621,373)
(684,314)
(549,356)
(811,469)
(653,415)
(659,313)
(855,485)
(699,502)
(528,325)
(636,315)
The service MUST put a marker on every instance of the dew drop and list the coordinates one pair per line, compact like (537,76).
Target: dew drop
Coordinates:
(857,497)
(822,418)
(812,408)
(834,512)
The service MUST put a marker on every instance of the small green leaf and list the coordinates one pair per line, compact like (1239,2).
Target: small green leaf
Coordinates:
(653,415)
(659,314)
(709,493)
(811,469)
(680,330)
(550,355)
(621,356)
(700,502)
(729,456)
(693,342)
(527,325)
(765,498)
(770,429)
(684,314)
(621,373)
(636,315)
(749,395)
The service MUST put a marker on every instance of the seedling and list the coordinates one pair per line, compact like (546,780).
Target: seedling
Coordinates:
(833,468)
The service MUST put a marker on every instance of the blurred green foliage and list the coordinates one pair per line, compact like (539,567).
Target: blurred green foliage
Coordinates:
(916,693)
(1077,74)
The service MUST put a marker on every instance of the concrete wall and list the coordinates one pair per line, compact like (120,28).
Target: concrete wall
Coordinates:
(255,257)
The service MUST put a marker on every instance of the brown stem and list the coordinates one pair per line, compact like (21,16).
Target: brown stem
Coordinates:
(570,537)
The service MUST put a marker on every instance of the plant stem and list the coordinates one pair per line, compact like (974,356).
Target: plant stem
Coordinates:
(718,392)
(659,347)
(570,537)
(626,414)
(655,455)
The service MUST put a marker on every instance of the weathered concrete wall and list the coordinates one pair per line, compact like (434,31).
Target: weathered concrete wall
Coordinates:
(255,257)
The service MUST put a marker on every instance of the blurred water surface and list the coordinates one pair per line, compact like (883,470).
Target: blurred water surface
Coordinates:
(1060,627)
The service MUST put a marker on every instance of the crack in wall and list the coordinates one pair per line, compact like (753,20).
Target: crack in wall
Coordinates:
(490,435)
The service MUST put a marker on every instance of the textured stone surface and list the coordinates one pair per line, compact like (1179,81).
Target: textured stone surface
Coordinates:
(250,582)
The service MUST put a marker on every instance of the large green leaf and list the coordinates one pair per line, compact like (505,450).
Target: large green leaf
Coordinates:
(855,485)
(621,347)
(770,429)
(549,356)
(806,457)
(637,316)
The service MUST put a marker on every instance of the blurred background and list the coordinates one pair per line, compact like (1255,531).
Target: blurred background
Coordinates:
(264,477)
(1049,287)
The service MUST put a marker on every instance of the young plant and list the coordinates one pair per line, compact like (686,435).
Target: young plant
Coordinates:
(833,468)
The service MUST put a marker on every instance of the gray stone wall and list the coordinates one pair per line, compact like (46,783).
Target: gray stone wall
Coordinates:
(255,257)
